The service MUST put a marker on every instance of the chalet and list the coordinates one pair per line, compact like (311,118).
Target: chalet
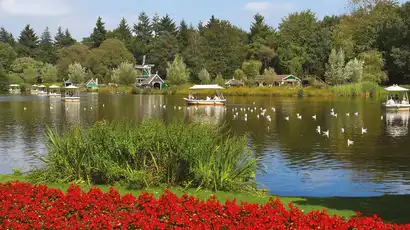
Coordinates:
(284,79)
(66,83)
(92,84)
(147,79)
(233,83)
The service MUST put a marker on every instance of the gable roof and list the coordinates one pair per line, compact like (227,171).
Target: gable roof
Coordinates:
(234,81)
(151,78)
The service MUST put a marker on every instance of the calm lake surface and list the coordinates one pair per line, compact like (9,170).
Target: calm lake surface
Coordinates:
(299,161)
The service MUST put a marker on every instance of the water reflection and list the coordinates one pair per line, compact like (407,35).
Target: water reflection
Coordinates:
(397,123)
(72,112)
(206,114)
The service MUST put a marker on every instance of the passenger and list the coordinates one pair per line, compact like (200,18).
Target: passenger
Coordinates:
(208,98)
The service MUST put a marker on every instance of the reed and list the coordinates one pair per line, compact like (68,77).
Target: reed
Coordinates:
(357,89)
(149,153)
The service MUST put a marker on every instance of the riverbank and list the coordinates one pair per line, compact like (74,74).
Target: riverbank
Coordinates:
(389,208)
(365,89)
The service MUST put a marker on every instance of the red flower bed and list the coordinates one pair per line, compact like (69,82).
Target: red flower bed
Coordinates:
(25,206)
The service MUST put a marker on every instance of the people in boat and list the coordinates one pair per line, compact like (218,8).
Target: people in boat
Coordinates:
(216,98)
(208,98)
(396,98)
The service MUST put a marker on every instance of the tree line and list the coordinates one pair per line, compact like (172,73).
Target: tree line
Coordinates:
(369,43)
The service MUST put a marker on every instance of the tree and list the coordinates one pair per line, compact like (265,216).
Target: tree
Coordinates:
(111,53)
(193,54)
(4,82)
(177,72)
(63,39)
(166,25)
(143,36)
(239,75)
(269,76)
(219,80)
(373,64)
(251,68)
(163,49)
(27,42)
(99,33)
(76,73)
(6,37)
(46,49)
(125,74)
(259,29)
(353,71)
(335,68)
(7,55)
(183,36)
(27,68)
(204,76)
(123,32)
(48,73)
(72,54)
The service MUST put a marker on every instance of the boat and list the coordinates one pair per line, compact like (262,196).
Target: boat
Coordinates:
(14,88)
(394,102)
(33,89)
(71,94)
(194,99)
(54,91)
(41,90)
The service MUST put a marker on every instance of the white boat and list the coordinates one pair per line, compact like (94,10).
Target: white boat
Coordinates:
(14,88)
(54,91)
(194,98)
(41,90)
(394,102)
(71,94)
(33,89)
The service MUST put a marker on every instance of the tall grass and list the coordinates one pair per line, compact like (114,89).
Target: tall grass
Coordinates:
(357,89)
(150,153)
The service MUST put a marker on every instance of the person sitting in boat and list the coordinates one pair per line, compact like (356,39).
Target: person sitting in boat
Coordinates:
(216,98)
(190,97)
(208,98)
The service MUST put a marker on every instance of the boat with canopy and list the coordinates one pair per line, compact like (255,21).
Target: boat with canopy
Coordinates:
(195,99)
(396,102)
(14,88)
(71,94)
(41,90)
(54,91)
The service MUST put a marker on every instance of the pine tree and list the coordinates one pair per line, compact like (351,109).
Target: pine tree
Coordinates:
(143,36)
(99,33)
(155,25)
(6,37)
(259,28)
(123,32)
(68,39)
(183,36)
(27,42)
(46,48)
(59,38)
(167,25)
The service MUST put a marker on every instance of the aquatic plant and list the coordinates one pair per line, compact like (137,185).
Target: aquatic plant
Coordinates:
(148,153)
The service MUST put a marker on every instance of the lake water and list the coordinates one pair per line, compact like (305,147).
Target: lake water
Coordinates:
(299,161)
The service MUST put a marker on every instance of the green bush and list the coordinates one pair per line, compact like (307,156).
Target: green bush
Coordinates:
(149,153)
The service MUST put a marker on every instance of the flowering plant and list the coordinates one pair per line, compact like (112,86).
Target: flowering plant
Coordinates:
(27,206)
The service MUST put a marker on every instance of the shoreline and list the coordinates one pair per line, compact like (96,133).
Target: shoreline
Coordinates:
(391,208)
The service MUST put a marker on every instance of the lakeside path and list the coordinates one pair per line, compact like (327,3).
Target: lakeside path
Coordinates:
(390,208)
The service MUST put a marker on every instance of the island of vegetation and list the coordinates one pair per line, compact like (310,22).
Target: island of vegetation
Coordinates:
(348,54)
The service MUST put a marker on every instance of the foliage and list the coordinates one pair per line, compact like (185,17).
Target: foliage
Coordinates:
(177,72)
(204,76)
(76,73)
(4,82)
(219,80)
(251,68)
(27,68)
(239,74)
(269,76)
(76,53)
(335,69)
(49,73)
(7,55)
(27,42)
(148,154)
(27,206)
(373,66)
(353,71)
(99,33)
(125,74)
(6,37)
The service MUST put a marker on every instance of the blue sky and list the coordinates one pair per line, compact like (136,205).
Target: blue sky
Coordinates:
(80,16)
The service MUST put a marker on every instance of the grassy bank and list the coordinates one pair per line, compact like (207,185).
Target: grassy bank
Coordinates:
(365,89)
(389,208)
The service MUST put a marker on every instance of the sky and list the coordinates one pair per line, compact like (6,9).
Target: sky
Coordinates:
(79,16)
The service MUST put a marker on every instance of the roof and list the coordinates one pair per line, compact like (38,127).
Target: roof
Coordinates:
(71,87)
(54,87)
(206,87)
(14,85)
(234,81)
(41,86)
(281,77)
(150,79)
(396,88)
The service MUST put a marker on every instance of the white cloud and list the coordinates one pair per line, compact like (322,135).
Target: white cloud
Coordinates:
(268,6)
(35,7)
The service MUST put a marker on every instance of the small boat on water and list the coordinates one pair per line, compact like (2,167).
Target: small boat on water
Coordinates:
(14,88)
(71,94)
(194,98)
(41,90)
(394,102)
(54,91)
(33,89)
